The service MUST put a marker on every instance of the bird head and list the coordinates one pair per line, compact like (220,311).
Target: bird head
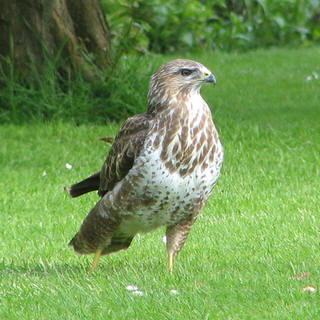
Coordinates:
(175,77)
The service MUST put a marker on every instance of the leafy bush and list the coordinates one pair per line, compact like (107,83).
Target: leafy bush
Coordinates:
(167,26)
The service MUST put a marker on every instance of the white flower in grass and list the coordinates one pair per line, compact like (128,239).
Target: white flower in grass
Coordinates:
(313,76)
(131,288)
(138,293)
(164,239)
(134,290)
(309,289)
(69,166)
(44,173)
(174,291)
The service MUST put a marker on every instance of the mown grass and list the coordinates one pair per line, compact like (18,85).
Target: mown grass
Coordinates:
(259,230)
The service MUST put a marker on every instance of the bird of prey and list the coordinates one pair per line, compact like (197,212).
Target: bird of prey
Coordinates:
(161,168)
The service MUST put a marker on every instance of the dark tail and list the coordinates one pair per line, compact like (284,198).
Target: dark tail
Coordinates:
(87,185)
(80,245)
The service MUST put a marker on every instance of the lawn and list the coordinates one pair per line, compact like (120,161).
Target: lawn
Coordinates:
(250,254)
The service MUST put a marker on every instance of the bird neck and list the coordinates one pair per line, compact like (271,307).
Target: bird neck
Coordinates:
(162,99)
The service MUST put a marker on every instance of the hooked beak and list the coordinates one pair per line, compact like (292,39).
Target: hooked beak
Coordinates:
(210,79)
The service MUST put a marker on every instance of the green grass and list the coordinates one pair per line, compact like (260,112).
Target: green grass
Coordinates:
(259,229)
(49,97)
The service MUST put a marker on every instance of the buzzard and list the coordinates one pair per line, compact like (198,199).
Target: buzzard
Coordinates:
(161,168)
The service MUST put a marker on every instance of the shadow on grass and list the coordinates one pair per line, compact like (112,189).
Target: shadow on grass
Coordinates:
(45,269)
(41,269)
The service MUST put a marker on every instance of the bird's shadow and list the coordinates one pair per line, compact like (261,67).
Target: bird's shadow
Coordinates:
(42,269)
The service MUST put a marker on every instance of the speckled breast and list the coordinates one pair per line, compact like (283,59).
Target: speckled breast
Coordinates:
(164,187)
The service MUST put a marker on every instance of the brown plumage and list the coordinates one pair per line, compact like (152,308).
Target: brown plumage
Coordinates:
(107,139)
(160,170)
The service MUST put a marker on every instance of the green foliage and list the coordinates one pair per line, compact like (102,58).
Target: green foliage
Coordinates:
(152,26)
(259,230)
(186,25)
(48,96)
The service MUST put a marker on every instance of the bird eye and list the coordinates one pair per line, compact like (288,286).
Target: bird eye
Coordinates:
(186,72)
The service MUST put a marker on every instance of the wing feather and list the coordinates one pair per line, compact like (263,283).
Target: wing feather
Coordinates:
(125,148)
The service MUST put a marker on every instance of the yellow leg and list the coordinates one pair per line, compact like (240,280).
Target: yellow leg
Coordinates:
(170,262)
(96,260)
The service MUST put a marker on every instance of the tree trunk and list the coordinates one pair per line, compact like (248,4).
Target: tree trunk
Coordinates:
(33,30)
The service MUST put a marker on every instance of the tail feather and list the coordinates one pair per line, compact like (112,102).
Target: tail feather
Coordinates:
(80,245)
(87,185)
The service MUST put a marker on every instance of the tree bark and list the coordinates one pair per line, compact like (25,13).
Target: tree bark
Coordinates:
(31,31)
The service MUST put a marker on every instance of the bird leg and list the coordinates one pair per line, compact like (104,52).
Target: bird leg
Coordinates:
(176,237)
(96,260)
(170,262)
